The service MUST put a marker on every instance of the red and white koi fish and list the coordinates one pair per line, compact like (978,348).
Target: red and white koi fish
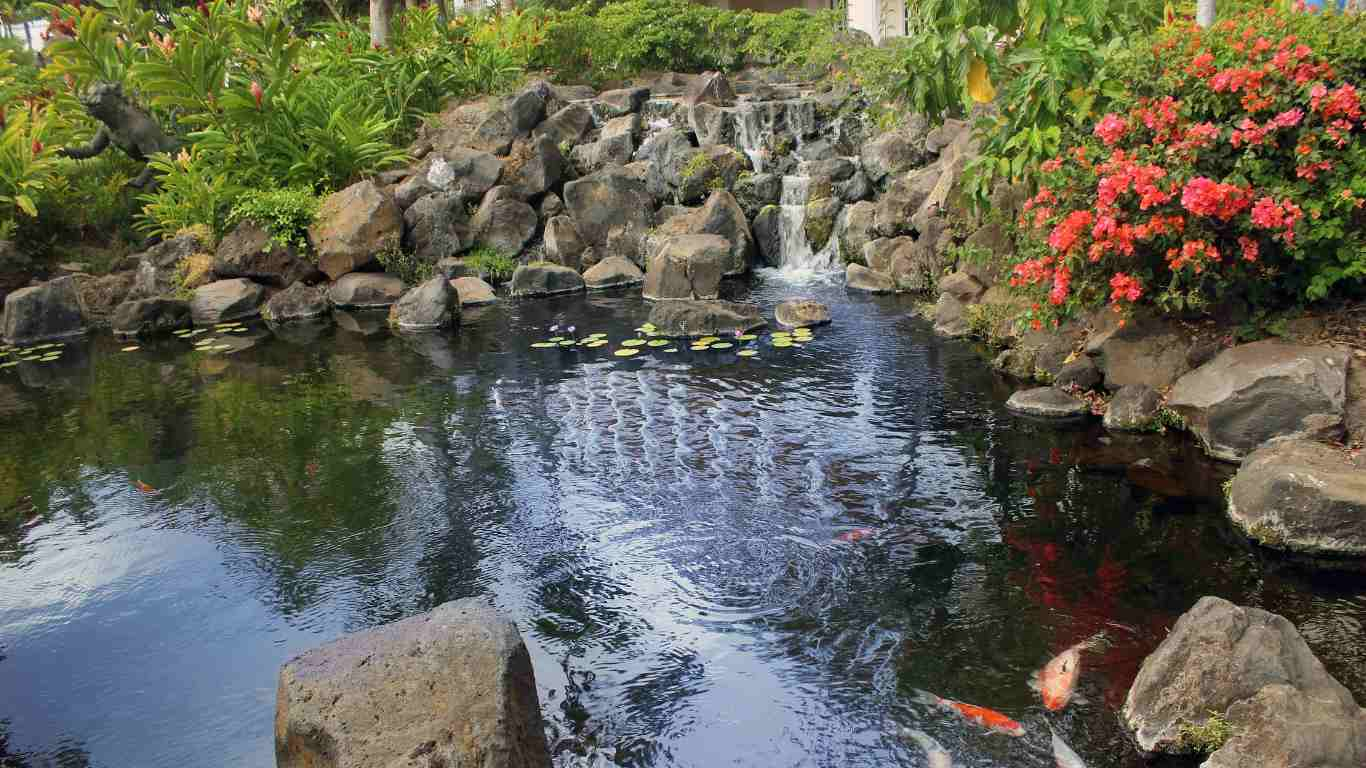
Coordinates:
(935,753)
(1058,678)
(1063,754)
(987,718)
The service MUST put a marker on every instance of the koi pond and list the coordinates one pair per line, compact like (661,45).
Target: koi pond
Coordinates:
(715,559)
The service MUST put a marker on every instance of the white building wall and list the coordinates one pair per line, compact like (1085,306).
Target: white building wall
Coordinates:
(881,19)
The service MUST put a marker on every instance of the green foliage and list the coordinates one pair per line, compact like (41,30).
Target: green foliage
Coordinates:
(487,260)
(1207,737)
(192,191)
(1166,419)
(405,266)
(286,213)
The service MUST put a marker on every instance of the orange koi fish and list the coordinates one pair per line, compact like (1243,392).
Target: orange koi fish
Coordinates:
(857,534)
(987,718)
(145,488)
(1057,680)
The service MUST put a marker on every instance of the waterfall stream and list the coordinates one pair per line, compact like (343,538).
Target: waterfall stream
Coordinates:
(797,253)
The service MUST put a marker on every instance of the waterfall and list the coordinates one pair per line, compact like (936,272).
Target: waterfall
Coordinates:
(749,137)
(797,255)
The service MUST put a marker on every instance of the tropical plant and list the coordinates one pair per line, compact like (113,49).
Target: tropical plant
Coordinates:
(193,190)
(286,213)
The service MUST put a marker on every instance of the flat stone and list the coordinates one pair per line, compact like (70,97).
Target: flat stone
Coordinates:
(545,279)
(613,272)
(226,300)
(1252,393)
(366,290)
(1254,670)
(694,319)
(453,687)
(801,313)
(861,278)
(1302,497)
(473,292)
(1133,409)
(1047,403)
(150,317)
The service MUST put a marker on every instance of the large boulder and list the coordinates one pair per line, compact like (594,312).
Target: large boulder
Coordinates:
(437,227)
(1142,349)
(962,286)
(619,102)
(526,108)
(857,230)
(535,167)
(453,687)
(1302,497)
(430,306)
(891,154)
(1252,670)
(611,210)
(753,191)
(768,235)
(567,126)
(366,290)
(879,252)
(721,215)
(483,125)
(52,310)
(950,316)
(613,272)
(1134,408)
(503,222)
(687,267)
(693,319)
(473,292)
(916,267)
(150,317)
(353,226)
(16,268)
(1047,403)
(709,88)
(156,272)
(297,302)
(819,222)
(100,296)
(545,279)
(225,300)
(462,172)
(801,313)
(861,278)
(249,251)
(563,245)
(1255,392)
(903,198)
(710,167)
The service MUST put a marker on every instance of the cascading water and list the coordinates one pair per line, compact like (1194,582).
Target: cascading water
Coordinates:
(797,254)
(749,137)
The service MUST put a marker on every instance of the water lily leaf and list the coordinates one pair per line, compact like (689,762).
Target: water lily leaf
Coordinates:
(543,345)
(221,348)
(780,344)
(10,364)
(746,337)
(746,353)
(699,347)
(658,342)
(133,348)
(556,339)
(671,349)
(633,342)
(48,358)
(568,343)
(598,343)
(708,340)
(722,345)
(626,352)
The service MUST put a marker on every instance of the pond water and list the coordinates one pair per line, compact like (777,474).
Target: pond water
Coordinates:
(714,560)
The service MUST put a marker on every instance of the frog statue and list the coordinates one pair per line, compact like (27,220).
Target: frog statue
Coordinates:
(124,124)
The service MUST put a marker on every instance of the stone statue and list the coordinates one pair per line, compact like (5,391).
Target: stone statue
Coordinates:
(124,124)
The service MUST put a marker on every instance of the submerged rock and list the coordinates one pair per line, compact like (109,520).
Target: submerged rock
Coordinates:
(1255,392)
(545,279)
(430,306)
(297,302)
(1047,403)
(353,226)
(150,317)
(797,313)
(453,687)
(692,319)
(613,272)
(1251,669)
(473,292)
(226,300)
(366,290)
(1302,497)
(52,310)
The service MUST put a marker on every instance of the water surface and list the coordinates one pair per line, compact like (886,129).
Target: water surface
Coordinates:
(669,533)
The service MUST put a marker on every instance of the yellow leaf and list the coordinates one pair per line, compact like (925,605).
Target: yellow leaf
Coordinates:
(26,203)
(979,84)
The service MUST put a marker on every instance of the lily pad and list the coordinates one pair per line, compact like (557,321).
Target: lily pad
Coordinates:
(568,343)
(49,357)
(543,345)
(671,349)
(626,352)
(221,348)
(657,343)
(133,348)
(780,344)
(708,340)
(556,339)
(746,337)
(633,342)
(598,343)
(746,353)
(722,345)
(699,347)
(10,364)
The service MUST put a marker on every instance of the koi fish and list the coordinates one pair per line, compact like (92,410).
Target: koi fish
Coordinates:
(1056,681)
(934,751)
(145,488)
(1063,754)
(857,534)
(987,718)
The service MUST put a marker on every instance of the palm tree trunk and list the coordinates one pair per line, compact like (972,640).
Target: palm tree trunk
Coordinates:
(1204,13)
(379,23)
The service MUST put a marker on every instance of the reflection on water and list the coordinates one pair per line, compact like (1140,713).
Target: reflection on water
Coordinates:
(666,531)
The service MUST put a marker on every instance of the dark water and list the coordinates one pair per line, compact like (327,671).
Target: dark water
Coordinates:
(663,530)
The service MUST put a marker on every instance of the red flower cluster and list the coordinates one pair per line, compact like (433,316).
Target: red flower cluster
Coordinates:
(1281,216)
(1111,129)
(1206,197)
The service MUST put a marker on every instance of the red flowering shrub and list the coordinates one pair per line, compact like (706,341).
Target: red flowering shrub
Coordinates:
(1234,165)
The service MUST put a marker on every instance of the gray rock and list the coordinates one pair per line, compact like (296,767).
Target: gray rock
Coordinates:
(551,205)
(1017,362)
(605,152)
(472,291)
(962,286)
(722,215)
(613,272)
(945,134)
(753,191)
(482,125)
(879,252)
(709,88)
(566,127)
(297,302)
(768,235)
(622,101)
(801,313)
(1302,497)
(248,251)
(430,306)
(526,109)
(1046,403)
(904,196)
(892,154)
(51,310)
(861,278)
(453,687)
(354,225)
(1255,392)
(563,245)
(693,319)
(226,300)
(366,290)
(1081,373)
(462,172)
(687,267)
(437,227)
(916,267)
(1146,350)
(819,223)
(535,167)
(100,296)
(950,317)
(611,210)
(711,124)
(1133,409)
(16,268)
(156,273)
(452,267)
(708,169)
(1252,669)
(857,230)
(151,317)
(503,222)
(545,279)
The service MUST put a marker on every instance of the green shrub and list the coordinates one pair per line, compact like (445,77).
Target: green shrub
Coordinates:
(286,213)
(192,192)
(405,266)
(490,261)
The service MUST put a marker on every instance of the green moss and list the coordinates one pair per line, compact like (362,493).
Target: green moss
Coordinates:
(697,164)
(1206,738)
(1262,533)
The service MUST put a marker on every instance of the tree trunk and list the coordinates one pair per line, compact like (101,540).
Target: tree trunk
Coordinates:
(28,36)
(1204,13)
(379,23)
